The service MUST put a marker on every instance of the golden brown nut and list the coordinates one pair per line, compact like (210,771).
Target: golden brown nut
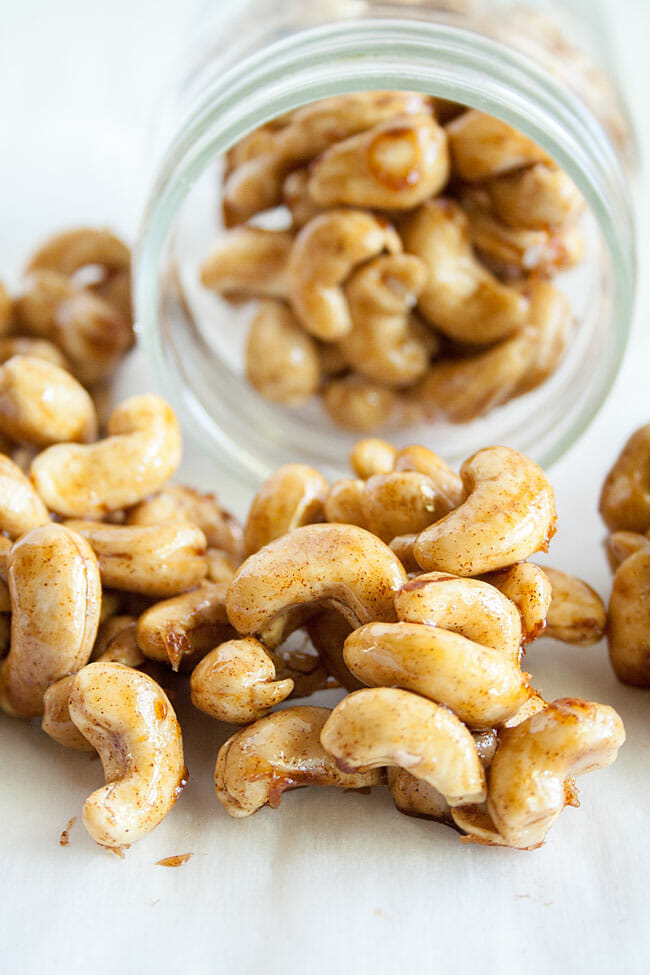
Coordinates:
(401,503)
(537,197)
(291,497)
(628,628)
(328,631)
(282,751)
(282,360)
(417,458)
(625,498)
(71,250)
(577,613)
(37,348)
(116,642)
(6,313)
(57,722)
(165,631)
(482,146)
(129,720)
(357,404)
(372,456)
(249,262)
(21,509)
(221,565)
(529,588)
(344,502)
(296,198)
(620,545)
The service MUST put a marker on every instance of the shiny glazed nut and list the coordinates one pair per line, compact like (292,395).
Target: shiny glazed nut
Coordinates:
(249,261)
(164,631)
(387,343)
(129,720)
(344,503)
(403,546)
(55,598)
(221,565)
(279,752)
(71,250)
(42,404)
(529,588)
(141,452)
(21,509)
(282,360)
(400,503)
(254,186)
(236,682)
(92,334)
(324,254)
(359,405)
(415,797)
(296,198)
(537,197)
(628,628)
(178,502)
(340,565)
(509,514)
(155,560)
(291,497)
(461,298)
(386,726)
(481,685)
(577,613)
(116,642)
(625,498)
(470,607)
(395,165)
(328,631)
(534,760)
(550,319)
(448,483)
(482,146)
(57,722)
(372,456)
(37,348)
(620,545)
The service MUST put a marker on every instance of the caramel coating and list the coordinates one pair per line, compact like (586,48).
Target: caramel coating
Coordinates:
(482,146)
(56,722)
(247,262)
(291,497)
(537,197)
(164,631)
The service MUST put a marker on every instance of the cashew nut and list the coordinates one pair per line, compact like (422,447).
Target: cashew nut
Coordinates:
(323,256)
(37,348)
(155,560)
(620,545)
(341,565)
(417,458)
(482,146)
(576,613)
(116,642)
(249,261)
(625,498)
(534,760)
(165,631)
(56,720)
(291,497)
(328,631)
(6,311)
(382,726)
(70,250)
(21,509)
(296,198)
(461,298)
(344,502)
(628,628)
(401,503)
(236,682)
(279,752)
(529,588)
(282,360)
(221,565)
(55,598)
(129,720)
(538,197)
(141,452)
(509,514)
(372,456)
(359,405)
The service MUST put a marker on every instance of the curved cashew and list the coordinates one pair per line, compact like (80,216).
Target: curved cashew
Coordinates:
(538,197)
(116,642)
(36,348)
(21,509)
(402,546)
(71,250)
(129,720)
(372,456)
(341,565)
(401,503)
(448,483)
(56,720)
(534,760)
(291,497)
(141,452)
(221,565)
(509,514)
(386,343)
(395,165)
(254,186)
(249,261)
(620,545)
(481,685)
(324,254)
(164,631)
(236,682)
(328,631)
(55,598)
(155,560)
(461,298)
(357,404)
(625,498)
(344,502)
(529,588)
(279,752)
(387,726)
(42,404)
(482,146)
(474,609)
(282,360)
(550,321)
(576,613)
(628,628)
(296,198)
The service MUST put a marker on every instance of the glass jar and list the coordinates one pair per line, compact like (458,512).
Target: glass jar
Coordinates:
(509,60)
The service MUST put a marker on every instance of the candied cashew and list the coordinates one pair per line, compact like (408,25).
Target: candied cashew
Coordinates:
(324,254)
(344,502)
(509,514)
(482,685)
(282,360)
(165,631)
(621,544)
(340,565)
(625,497)
(249,262)
(6,310)
(37,348)
(237,682)
(154,560)
(628,628)
(417,458)
(372,456)
(537,197)
(529,588)
(57,722)
(395,165)
(71,250)
(357,404)
(328,631)
(55,598)
(401,503)
(296,198)
(21,509)
(116,642)
(291,497)
(535,759)
(221,565)
(129,720)
(461,297)
(383,726)
(576,613)
(482,146)
(42,404)
(141,452)
(282,751)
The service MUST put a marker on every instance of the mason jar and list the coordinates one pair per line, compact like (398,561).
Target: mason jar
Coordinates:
(528,64)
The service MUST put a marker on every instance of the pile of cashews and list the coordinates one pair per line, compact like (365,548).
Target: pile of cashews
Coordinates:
(410,280)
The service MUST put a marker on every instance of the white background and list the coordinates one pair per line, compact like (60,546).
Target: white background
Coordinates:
(329,882)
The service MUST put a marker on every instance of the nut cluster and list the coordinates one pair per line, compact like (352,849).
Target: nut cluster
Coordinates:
(412,280)
(625,509)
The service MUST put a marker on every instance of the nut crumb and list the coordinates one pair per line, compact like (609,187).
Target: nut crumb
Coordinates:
(64,838)
(175,861)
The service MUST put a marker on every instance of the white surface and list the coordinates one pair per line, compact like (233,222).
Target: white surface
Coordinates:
(329,882)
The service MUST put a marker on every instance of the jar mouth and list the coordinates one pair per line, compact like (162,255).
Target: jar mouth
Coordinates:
(353,55)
